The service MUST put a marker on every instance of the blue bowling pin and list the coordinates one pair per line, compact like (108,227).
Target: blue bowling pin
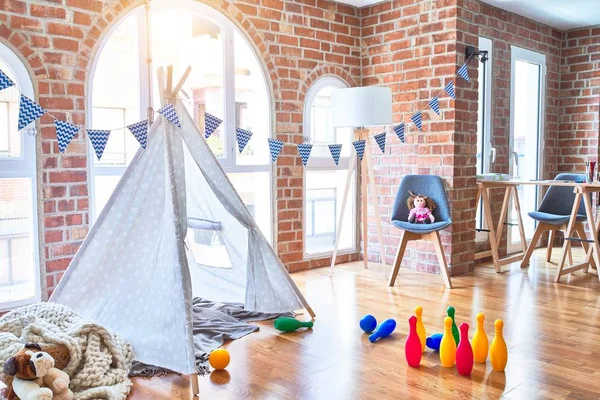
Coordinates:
(434,341)
(383,330)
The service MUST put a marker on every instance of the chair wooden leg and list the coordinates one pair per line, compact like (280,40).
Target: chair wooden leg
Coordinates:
(551,238)
(435,238)
(399,255)
(541,228)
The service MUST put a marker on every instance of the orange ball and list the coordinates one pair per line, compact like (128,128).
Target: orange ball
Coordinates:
(219,359)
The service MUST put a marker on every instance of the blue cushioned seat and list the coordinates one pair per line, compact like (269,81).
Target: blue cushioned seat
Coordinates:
(557,204)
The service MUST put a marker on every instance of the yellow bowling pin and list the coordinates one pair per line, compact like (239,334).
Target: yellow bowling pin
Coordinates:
(420,327)
(498,349)
(480,341)
(448,345)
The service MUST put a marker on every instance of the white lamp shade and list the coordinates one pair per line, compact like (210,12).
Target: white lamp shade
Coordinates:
(361,106)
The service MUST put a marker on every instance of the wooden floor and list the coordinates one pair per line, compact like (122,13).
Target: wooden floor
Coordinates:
(552,330)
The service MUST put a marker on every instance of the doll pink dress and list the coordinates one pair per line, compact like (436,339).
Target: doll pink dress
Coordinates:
(421,215)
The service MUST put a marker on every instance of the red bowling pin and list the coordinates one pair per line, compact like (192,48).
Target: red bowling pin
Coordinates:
(412,348)
(464,352)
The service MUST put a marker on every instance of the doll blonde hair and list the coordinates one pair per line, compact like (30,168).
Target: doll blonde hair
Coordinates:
(410,202)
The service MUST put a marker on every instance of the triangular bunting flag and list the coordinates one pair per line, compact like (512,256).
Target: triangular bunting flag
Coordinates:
(275,147)
(416,118)
(464,72)
(243,136)
(304,150)
(359,146)
(335,150)
(98,139)
(380,139)
(211,123)
(450,89)
(5,81)
(65,132)
(169,113)
(435,105)
(29,111)
(399,129)
(140,131)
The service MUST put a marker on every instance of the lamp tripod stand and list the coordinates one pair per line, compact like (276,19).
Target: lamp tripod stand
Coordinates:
(367,179)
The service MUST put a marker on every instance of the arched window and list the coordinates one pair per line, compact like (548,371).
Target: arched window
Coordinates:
(226,81)
(325,181)
(19,255)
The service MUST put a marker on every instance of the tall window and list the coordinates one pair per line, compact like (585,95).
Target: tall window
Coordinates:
(19,258)
(324,181)
(226,81)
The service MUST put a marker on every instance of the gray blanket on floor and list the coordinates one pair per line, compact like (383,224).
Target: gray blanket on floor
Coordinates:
(213,324)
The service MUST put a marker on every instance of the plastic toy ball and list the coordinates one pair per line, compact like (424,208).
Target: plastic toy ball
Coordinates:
(368,323)
(219,359)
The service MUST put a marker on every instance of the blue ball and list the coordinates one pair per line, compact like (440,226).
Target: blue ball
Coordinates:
(368,323)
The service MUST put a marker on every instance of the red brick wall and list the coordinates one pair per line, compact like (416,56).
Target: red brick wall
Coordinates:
(412,48)
(579,128)
(297,41)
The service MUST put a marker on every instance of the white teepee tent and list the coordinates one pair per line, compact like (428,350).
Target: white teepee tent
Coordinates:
(146,257)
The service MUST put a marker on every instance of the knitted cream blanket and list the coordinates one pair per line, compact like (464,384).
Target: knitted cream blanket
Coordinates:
(100,360)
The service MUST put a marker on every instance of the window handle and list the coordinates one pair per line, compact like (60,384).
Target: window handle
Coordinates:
(516,156)
(493,151)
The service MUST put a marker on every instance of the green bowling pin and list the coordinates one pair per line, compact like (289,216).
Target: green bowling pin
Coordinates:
(286,324)
(451,312)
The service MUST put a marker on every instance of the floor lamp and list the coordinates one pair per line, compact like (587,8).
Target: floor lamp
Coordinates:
(359,108)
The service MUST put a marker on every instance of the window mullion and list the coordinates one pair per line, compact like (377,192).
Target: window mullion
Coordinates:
(229,94)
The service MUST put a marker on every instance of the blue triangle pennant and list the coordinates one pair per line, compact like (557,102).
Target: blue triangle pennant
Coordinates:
(416,118)
(211,123)
(435,105)
(359,146)
(304,150)
(464,72)
(140,131)
(449,88)
(169,113)
(65,132)
(98,139)
(275,147)
(380,139)
(29,111)
(5,81)
(399,129)
(243,136)
(335,150)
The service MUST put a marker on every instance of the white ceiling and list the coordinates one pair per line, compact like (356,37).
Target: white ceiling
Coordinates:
(560,14)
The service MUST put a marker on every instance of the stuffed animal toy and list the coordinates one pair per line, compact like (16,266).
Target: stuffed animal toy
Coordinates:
(421,209)
(35,377)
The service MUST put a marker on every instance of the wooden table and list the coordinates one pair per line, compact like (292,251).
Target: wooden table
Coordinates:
(510,189)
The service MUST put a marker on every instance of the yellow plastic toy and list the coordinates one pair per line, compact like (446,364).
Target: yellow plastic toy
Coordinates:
(420,327)
(219,359)
(480,341)
(498,350)
(448,345)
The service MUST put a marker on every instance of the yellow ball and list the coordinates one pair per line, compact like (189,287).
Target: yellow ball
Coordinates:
(219,359)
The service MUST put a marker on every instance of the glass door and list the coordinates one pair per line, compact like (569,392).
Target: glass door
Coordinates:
(528,77)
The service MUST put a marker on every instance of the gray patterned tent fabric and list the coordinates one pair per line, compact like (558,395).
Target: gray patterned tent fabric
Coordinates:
(137,271)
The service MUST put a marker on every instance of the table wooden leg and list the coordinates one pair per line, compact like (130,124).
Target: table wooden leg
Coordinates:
(581,233)
(590,216)
(487,212)
(503,212)
(520,219)
(568,234)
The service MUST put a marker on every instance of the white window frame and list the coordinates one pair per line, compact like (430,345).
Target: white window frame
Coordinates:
(24,166)
(229,161)
(488,152)
(323,164)
(518,53)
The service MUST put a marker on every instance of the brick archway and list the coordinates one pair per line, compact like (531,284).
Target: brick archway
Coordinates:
(322,71)
(20,45)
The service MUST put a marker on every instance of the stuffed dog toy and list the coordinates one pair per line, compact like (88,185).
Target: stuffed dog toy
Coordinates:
(35,377)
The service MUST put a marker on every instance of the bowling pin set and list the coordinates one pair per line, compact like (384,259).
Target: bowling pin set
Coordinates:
(454,347)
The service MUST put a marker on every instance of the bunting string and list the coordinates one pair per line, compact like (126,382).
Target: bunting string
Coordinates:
(29,111)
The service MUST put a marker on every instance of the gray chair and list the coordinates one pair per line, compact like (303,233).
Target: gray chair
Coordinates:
(432,187)
(554,214)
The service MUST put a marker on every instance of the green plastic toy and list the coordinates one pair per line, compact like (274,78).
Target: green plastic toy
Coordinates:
(286,324)
(451,312)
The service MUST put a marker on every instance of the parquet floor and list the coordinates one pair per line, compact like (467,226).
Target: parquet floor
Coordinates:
(553,333)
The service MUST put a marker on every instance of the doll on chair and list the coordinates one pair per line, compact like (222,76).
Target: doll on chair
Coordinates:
(421,209)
